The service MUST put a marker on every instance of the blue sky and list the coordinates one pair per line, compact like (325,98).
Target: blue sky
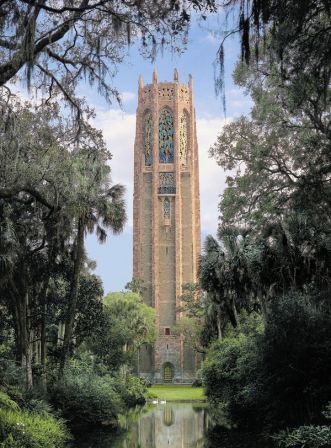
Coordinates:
(114,258)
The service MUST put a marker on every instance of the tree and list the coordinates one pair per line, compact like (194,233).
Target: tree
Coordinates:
(281,155)
(191,321)
(57,44)
(99,208)
(278,193)
(295,34)
(52,191)
(128,323)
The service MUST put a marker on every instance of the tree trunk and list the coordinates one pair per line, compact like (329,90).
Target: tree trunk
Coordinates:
(234,311)
(70,317)
(219,325)
(43,343)
(25,339)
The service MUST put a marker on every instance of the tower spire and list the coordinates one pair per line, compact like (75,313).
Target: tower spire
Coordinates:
(190,81)
(155,76)
(140,82)
(176,75)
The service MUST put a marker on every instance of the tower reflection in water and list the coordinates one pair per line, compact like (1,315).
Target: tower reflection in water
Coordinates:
(175,426)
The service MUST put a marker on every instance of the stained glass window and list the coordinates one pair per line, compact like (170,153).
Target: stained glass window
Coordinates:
(167,183)
(166,137)
(148,139)
(183,139)
(166,208)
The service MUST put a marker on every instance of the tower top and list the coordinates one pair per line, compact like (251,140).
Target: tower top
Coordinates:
(155,78)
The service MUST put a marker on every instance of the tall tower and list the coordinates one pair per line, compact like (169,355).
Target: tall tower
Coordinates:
(166,226)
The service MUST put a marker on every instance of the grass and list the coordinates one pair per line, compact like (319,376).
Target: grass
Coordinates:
(177,393)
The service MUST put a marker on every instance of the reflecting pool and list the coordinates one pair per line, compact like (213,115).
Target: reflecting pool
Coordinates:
(176,425)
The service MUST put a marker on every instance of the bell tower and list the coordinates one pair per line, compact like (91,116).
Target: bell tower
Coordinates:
(166,219)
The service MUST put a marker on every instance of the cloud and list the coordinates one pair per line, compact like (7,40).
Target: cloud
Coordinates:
(238,103)
(212,177)
(128,97)
(119,131)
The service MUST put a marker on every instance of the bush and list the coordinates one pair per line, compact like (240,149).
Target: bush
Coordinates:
(132,390)
(278,377)
(230,375)
(10,373)
(198,379)
(23,429)
(305,436)
(84,397)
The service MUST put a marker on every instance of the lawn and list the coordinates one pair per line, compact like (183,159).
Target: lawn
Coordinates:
(177,393)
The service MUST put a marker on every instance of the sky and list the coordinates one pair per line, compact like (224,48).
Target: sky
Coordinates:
(114,258)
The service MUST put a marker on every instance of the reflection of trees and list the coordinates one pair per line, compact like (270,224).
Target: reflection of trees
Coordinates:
(154,427)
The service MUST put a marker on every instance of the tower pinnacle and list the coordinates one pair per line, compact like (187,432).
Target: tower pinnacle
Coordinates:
(154,75)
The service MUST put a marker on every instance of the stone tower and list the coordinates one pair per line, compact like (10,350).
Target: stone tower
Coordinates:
(166,210)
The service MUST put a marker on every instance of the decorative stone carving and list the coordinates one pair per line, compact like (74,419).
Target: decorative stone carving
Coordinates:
(148,139)
(166,137)
(165,93)
(184,95)
(183,137)
(167,183)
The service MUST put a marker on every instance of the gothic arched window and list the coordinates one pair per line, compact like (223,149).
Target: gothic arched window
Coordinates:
(166,137)
(148,139)
(183,136)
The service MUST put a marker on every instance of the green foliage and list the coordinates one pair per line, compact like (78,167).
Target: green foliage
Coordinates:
(131,389)
(305,436)
(279,376)
(10,373)
(230,371)
(24,429)
(296,359)
(7,403)
(83,396)
(127,324)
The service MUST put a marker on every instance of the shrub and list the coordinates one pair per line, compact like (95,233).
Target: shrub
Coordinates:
(132,390)
(7,403)
(277,377)
(23,429)
(84,397)
(198,379)
(10,373)
(305,436)
(230,374)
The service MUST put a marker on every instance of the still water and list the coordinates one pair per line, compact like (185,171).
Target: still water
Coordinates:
(154,426)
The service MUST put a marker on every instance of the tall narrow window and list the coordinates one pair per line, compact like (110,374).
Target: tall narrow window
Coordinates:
(166,137)
(148,139)
(183,125)
(166,208)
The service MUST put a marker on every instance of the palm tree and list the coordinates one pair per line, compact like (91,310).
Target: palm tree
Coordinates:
(101,208)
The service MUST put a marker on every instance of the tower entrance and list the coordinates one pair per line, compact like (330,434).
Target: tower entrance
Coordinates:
(168,372)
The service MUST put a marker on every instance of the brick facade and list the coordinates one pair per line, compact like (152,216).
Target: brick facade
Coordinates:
(166,226)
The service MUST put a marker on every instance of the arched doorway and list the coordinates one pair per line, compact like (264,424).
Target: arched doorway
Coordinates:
(168,372)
